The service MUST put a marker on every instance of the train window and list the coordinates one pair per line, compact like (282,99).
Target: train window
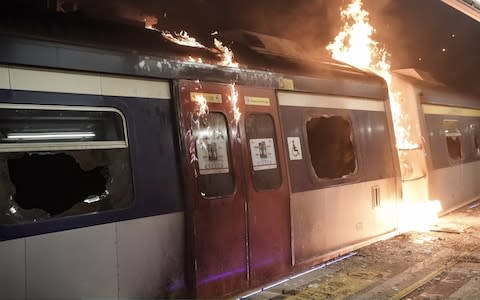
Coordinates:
(331,147)
(454,147)
(476,141)
(262,143)
(30,127)
(474,132)
(62,162)
(213,153)
(453,139)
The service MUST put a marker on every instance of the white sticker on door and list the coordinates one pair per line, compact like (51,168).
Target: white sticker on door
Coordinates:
(263,154)
(294,148)
(212,154)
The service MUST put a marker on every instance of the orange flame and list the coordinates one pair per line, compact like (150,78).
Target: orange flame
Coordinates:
(225,54)
(354,45)
(199,120)
(202,105)
(197,60)
(234,100)
(182,38)
(150,22)
(419,216)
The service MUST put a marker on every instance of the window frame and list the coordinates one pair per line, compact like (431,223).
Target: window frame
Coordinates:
(60,147)
(474,130)
(449,133)
(64,146)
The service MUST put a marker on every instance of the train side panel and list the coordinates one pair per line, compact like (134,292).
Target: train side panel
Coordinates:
(344,184)
(454,139)
(151,257)
(330,221)
(72,263)
(131,259)
(455,186)
(12,266)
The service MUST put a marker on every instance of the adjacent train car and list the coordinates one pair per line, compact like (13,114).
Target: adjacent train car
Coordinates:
(117,183)
(447,124)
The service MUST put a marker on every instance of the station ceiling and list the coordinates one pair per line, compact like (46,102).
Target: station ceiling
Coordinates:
(469,7)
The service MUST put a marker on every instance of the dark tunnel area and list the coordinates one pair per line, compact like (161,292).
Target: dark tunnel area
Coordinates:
(53,182)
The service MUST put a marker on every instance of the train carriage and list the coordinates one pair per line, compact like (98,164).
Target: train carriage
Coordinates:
(447,122)
(117,183)
(344,174)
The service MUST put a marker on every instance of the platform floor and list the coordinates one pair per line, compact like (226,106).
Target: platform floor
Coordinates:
(440,263)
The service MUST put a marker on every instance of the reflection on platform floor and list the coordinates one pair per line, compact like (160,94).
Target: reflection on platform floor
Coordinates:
(440,263)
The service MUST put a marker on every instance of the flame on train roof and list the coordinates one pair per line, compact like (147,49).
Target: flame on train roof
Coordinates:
(354,45)
(226,55)
(184,39)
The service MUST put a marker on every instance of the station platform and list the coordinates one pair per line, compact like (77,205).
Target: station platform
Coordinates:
(442,262)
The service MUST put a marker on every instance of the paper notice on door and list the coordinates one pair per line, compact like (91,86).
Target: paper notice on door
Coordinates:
(263,154)
(212,155)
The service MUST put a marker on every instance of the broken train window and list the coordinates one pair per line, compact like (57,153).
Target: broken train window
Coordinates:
(453,139)
(58,161)
(331,148)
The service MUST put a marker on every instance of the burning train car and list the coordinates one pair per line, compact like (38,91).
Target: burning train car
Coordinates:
(447,124)
(128,175)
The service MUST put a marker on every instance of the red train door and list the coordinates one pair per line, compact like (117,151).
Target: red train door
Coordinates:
(267,186)
(239,211)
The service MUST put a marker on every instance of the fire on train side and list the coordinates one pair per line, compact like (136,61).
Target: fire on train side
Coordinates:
(445,124)
(115,183)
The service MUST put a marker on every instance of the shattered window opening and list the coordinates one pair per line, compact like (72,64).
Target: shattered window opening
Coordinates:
(453,139)
(331,147)
(44,184)
(476,141)
(475,133)
(454,147)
